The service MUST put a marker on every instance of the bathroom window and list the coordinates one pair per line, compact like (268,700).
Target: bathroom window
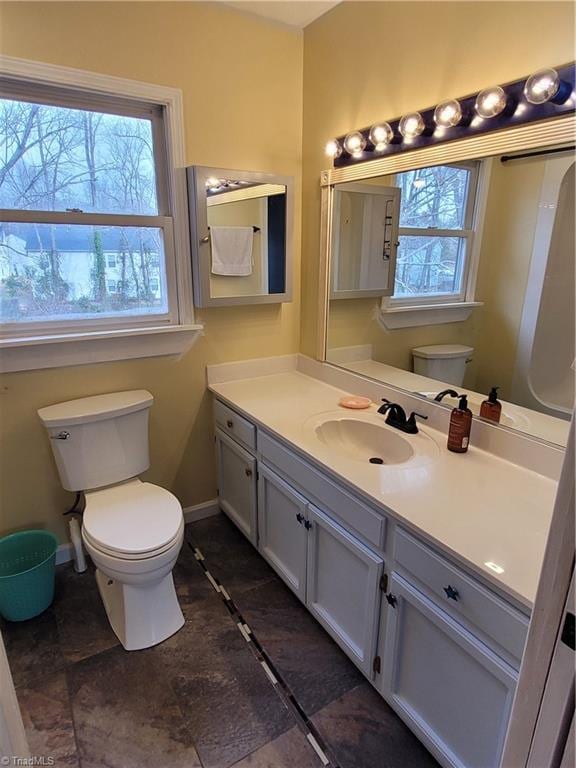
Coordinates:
(436,232)
(84,191)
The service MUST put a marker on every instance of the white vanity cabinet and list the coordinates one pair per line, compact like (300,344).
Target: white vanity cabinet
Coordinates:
(332,572)
(235,439)
(282,531)
(440,645)
(451,689)
(343,587)
(237,484)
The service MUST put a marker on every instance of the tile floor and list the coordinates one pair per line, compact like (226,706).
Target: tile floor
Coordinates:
(202,698)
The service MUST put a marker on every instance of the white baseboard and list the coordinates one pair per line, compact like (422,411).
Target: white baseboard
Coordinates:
(200,511)
(64,553)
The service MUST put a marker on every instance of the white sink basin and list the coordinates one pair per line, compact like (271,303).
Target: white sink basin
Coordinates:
(364,441)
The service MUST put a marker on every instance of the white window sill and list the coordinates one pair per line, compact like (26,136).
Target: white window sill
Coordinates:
(59,350)
(426,314)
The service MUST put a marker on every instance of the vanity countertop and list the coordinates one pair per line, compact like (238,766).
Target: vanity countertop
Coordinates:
(475,506)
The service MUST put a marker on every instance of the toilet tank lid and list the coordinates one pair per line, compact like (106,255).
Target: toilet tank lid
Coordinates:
(442,351)
(95,408)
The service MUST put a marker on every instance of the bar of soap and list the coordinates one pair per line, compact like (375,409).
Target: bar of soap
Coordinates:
(355,401)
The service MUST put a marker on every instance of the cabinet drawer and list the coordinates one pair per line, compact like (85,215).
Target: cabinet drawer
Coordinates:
(235,425)
(347,510)
(486,615)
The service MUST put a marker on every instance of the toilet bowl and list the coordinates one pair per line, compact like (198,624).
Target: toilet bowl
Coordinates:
(132,530)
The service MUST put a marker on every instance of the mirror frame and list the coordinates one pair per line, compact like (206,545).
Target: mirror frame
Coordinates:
(546,133)
(201,262)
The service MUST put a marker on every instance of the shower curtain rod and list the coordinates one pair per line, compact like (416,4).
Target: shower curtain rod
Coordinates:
(508,158)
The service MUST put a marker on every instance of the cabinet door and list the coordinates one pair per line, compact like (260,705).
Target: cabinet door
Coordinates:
(282,533)
(343,589)
(365,240)
(452,690)
(237,484)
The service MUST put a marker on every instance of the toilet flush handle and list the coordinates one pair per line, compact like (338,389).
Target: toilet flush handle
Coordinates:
(60,436)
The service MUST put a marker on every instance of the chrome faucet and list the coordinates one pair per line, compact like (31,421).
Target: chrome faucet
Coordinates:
(397,417)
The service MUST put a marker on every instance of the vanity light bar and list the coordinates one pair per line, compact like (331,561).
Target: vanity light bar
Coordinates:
(545,94)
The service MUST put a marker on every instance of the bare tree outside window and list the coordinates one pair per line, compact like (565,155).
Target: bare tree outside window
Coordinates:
(432,250)
(59,159)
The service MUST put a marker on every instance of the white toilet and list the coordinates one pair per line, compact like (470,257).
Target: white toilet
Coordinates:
(444,362)
(133,531)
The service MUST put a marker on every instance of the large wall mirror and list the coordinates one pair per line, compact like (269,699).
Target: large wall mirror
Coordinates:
(459,277)
(241,233)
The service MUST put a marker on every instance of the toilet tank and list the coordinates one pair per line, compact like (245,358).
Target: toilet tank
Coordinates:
(99,440)
(443,362)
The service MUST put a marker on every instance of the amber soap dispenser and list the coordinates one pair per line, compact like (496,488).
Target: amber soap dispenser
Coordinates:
(491,408)
(460,426)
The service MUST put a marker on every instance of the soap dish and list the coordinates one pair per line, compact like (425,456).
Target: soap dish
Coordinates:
(355,401)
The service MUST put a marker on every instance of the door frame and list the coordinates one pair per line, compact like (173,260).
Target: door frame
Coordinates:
(547,619)
(13,742)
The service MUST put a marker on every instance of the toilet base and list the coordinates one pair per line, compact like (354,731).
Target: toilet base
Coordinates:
(141,616)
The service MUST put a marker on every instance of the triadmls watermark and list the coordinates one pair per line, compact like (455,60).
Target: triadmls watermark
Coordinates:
(15,760)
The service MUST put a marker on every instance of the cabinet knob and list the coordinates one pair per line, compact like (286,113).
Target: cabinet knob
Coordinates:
(300,517)
(451,593)
(248,472)
(307,524)
(230,424)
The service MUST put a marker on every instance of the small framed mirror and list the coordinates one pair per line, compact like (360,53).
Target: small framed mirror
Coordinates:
(241,232)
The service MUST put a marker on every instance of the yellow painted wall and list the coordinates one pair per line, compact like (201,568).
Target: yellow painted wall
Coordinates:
(242,82)
(505,256)
(252,212)
(365,62)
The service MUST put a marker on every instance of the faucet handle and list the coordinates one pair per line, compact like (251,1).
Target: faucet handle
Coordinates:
(412,427)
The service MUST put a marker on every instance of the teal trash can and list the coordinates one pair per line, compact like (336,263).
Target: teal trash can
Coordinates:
(27,569)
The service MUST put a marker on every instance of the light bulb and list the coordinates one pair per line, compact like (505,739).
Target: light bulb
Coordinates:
(542,86)
(412,125)
(212,183)
(333,148)
(491,102)
(354,143)
(381,134)
(448,114)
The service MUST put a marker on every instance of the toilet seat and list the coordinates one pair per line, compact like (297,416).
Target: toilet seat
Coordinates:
(118,555)
(132,521)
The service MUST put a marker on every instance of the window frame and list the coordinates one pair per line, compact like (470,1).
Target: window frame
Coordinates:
(104,344)
(163,220)
(470,233)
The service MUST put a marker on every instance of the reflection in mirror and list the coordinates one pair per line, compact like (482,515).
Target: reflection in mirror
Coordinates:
(461,277)
(241,235)
(247,238)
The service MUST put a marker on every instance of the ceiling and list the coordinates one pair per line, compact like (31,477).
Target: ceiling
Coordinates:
(295,13)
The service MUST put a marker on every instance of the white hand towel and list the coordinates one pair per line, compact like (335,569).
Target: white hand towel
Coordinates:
(231,250)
